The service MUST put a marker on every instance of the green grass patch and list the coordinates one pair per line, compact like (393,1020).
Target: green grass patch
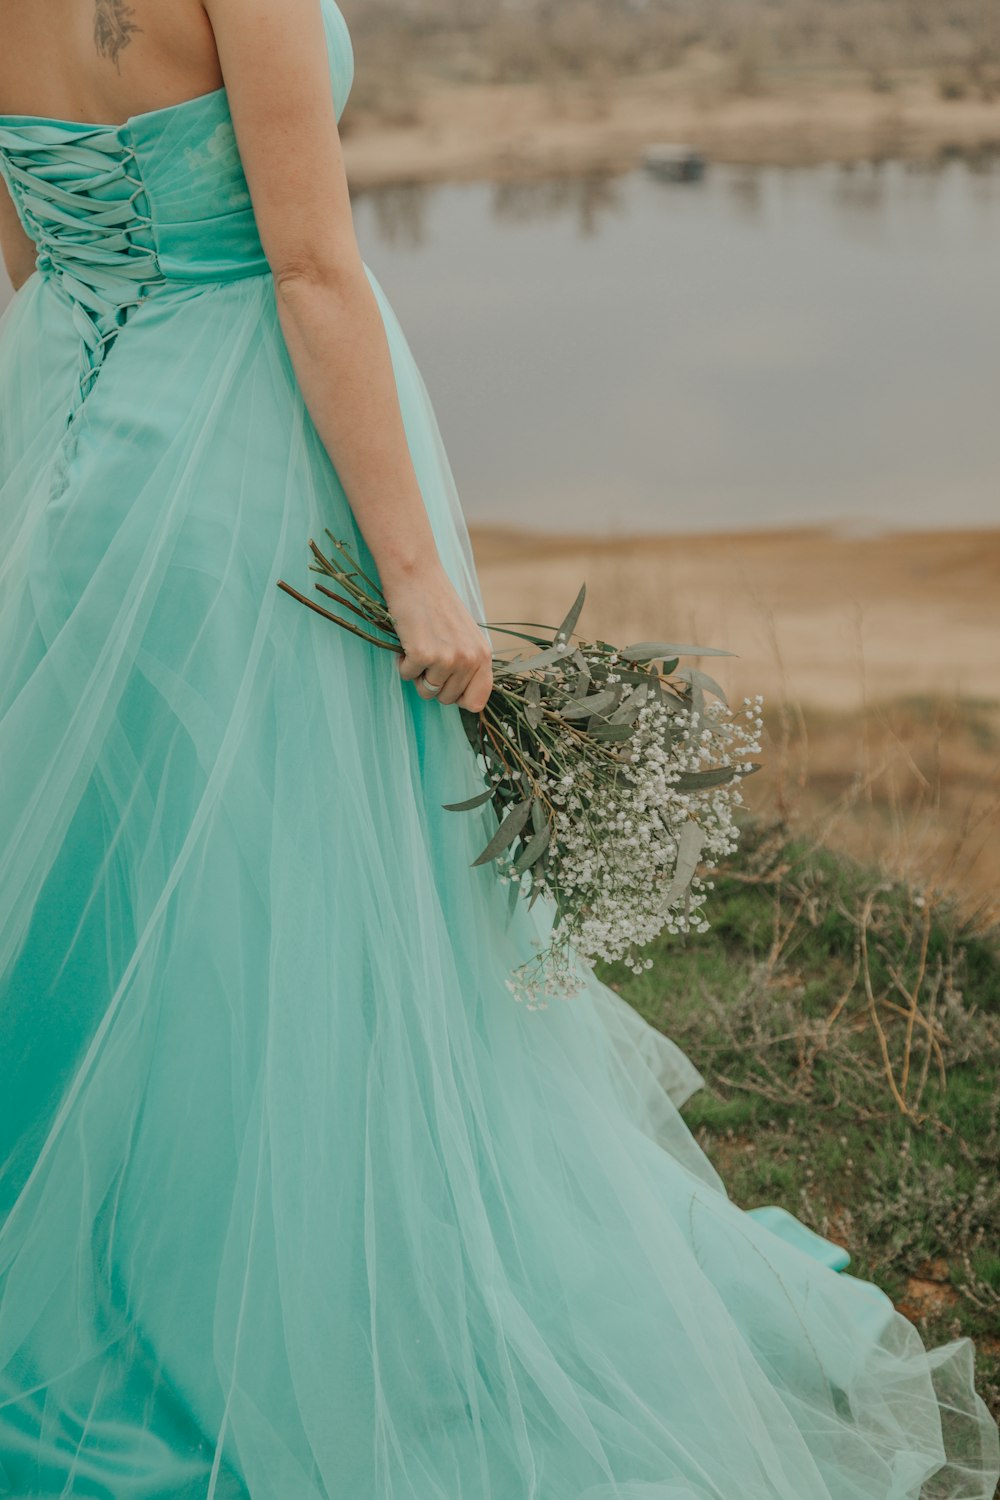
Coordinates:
(848,1028)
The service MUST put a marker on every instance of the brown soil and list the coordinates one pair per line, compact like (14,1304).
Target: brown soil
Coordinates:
(834,621)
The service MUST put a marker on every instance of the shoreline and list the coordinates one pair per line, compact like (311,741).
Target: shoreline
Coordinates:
(877,658)
(513,132)
(828,620)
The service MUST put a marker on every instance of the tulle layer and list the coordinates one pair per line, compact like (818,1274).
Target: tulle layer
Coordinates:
(297,1202)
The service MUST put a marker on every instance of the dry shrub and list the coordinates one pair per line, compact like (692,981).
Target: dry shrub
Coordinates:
(911,786)
(580,39)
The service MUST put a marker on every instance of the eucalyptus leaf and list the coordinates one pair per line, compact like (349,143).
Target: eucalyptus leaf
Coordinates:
(597,703)
(627,714)
(630,706)
(700,781)
(513,894)
(626,674)
(701,679)
(472,726)
(698,704)
(532,850)
(536,640)
(472,802)
(530,663)
(569,624)
(527,624)
(507,832)
(533,701)
(673,702)
(602,730)
(689,847)
(658,650)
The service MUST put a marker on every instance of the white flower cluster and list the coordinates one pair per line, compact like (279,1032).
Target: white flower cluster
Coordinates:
(625,848)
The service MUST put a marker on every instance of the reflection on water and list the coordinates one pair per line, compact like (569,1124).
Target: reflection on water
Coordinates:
(587,200)
(399,214)
(769,346)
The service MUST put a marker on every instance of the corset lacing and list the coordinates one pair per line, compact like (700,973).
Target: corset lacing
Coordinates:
(85,206)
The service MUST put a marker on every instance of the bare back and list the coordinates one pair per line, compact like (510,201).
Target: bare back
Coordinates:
(103,60)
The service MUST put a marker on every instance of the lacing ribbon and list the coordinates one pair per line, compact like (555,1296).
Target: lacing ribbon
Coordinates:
(84,204)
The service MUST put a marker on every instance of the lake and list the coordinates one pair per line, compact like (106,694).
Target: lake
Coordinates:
(765,347)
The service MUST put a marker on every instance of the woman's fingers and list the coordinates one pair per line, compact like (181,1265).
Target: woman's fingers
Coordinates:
(413,662)
(436,666)
(451,675)
(443,647)
(428,686)
(478,689)
(462,677)
(455,686)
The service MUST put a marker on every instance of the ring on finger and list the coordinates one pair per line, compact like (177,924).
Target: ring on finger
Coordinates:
(431,687)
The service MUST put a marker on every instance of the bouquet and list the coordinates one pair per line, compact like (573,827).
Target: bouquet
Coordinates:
(614,774)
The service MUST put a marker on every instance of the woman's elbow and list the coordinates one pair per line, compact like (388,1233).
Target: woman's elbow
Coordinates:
(303,277)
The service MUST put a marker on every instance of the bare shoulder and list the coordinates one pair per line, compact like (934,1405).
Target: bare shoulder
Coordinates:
(273,54)
(275,65)
(103,59)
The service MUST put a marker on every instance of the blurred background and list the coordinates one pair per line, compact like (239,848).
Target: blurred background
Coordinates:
(744,385)
(705,293)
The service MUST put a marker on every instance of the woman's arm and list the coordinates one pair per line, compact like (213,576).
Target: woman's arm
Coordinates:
(274,63)
(17,247)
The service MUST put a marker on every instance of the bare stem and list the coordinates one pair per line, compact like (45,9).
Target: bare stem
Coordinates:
(327,615)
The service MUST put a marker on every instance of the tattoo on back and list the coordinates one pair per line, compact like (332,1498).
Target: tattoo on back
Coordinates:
(113,28)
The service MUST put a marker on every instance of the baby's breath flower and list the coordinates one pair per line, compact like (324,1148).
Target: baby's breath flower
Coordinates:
(612,868)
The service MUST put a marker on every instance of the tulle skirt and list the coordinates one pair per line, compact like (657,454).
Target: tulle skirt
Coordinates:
(296,1201)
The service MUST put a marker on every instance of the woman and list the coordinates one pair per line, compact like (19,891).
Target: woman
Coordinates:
(296,1202)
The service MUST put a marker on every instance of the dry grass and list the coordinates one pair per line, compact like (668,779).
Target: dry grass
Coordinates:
(911,786)
(473,89)
(911,793)
(848,1028)
(729,46)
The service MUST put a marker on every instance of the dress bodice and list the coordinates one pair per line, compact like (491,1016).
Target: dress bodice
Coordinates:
(117,211)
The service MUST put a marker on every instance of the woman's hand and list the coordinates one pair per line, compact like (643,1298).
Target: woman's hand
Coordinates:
(442,644)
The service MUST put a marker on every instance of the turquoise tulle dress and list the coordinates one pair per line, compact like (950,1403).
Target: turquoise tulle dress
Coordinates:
(297,1203)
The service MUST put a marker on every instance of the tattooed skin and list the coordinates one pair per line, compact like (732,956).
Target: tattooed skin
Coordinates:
(113,28)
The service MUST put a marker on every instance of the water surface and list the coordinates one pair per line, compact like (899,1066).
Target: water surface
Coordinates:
(769,346)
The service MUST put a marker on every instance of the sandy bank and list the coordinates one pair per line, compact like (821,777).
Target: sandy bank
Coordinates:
(834,621)
(521,130)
